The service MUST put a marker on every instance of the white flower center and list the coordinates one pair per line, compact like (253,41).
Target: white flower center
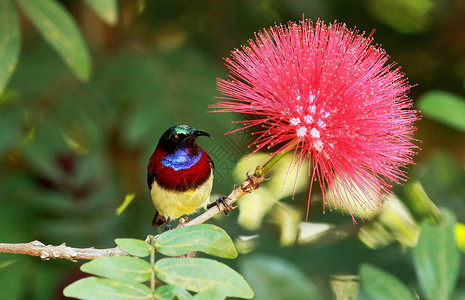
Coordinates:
(311,97)
(301,131)
(315,133)
(294,121)
(309,121)
(312,109)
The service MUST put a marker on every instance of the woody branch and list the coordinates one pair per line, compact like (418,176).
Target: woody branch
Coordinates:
(46,252)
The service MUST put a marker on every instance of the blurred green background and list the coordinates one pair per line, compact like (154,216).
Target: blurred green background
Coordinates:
(71,150)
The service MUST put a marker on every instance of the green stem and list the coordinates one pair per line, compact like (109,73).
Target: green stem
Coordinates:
(152,268)
(261,171)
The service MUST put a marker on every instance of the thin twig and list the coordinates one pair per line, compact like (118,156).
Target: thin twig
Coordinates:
(250,184)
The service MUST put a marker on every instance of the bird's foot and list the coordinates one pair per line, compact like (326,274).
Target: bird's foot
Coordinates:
(218,202)
(182,221)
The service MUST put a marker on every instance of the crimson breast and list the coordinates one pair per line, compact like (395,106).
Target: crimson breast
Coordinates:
(178,179)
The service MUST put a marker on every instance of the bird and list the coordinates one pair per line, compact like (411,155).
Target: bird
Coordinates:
(179,175)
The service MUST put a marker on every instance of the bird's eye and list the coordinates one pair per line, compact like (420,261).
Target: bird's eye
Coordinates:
(174,137)
(181,136)
(177,137)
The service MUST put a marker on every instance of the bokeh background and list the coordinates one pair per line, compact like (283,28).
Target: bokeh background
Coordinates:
(71,151)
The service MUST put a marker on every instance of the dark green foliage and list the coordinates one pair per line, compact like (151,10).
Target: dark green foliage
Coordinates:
(445,107)
(10,42)
(85,97)
(437,258)
(275,278)
(381,285)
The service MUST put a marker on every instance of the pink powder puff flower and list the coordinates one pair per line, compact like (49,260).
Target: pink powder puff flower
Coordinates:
(330,95)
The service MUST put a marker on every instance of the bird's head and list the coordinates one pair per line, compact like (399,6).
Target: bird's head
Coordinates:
(180,136)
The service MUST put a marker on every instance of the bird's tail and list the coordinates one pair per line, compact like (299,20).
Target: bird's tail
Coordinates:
(158,220)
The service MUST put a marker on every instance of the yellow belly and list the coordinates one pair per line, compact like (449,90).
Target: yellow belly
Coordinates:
(174,204)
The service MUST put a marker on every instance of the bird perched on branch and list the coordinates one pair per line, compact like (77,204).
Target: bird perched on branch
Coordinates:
(179,174)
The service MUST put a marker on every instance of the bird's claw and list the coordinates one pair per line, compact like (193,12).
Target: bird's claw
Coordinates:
(182,221)
(218,202)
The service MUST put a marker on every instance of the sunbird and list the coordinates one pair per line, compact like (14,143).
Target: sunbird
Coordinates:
(180,174)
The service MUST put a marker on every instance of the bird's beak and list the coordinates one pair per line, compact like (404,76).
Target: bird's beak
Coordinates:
(197,133)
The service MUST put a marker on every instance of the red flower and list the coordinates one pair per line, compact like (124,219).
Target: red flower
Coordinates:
(328,91)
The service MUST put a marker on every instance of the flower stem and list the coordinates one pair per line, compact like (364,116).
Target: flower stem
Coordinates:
(261,170)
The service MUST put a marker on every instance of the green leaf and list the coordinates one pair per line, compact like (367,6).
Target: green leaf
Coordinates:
(10,40)
(437,258)
(103,288)
(204,237)
(274,278)
(168,292)
(121,267)
(127,200)
(59,29)
(419,203)
(201,274)
(392,12)
(212,293)
(106,9)
(381,285)
(4,264)
(444,107)
(134,247)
